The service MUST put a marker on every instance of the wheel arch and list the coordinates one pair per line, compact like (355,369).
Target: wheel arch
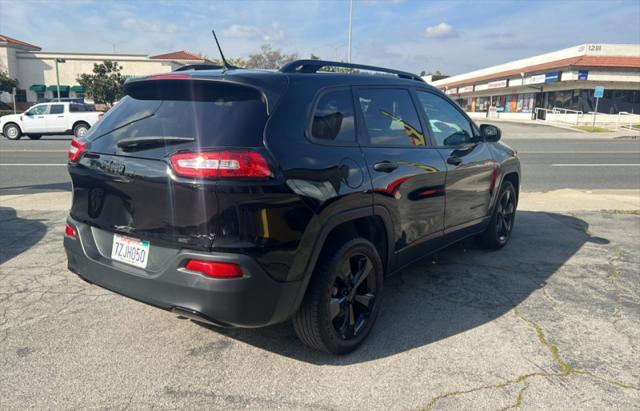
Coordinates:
(11,123)
(78,122)
(372,223)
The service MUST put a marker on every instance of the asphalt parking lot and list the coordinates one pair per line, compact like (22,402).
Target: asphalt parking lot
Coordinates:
(551,321)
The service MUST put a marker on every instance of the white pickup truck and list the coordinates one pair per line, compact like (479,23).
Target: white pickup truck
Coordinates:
(49,118)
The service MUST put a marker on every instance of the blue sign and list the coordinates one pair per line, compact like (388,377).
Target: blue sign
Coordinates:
(583,74)
(553,77)
(598,92)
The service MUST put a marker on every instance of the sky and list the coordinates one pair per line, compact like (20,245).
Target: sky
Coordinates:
(449,36)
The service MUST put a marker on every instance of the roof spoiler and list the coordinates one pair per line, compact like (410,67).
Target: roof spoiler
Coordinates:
(312,66)
(199,67)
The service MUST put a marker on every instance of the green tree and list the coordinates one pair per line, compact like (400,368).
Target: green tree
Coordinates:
(105,85)
(268,58)
(234,61)
(7,83)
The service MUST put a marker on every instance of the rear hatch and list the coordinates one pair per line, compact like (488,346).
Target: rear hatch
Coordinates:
(125,181)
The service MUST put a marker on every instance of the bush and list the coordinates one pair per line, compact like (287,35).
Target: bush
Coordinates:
(5,112)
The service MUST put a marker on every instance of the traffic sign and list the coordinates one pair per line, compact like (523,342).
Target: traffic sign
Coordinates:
(598,92)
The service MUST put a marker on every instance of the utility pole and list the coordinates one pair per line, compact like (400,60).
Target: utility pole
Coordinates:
(58,75)
(350,29)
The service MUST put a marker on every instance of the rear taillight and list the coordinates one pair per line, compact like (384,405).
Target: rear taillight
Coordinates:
(70,231)
(215,269)
(101,114)
(221,164)
(76,149)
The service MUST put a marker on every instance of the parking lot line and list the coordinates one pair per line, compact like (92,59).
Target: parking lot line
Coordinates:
(596,165)
(34,165)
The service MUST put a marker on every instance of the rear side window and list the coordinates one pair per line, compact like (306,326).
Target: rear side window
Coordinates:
(333,118)
(390,117)
(57,109)
(75,108)
(212,114)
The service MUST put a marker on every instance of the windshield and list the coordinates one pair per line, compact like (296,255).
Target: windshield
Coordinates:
(203,114)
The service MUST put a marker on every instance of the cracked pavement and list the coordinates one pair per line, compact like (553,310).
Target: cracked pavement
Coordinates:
(552,321)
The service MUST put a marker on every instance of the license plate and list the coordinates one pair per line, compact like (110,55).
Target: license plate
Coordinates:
(130,250)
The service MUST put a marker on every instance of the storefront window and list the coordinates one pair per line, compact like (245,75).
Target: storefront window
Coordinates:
(613,102)
(21,96)
(63,93)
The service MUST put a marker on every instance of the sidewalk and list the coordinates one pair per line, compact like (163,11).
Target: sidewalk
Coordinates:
(532,128)
(558,201)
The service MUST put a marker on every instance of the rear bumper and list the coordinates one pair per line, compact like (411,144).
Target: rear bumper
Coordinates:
(251,301)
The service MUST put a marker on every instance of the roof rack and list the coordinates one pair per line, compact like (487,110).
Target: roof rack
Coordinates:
(199,67)
(312,66)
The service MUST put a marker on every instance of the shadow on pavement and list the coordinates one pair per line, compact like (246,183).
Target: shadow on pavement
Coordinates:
(17,235)
(460,288)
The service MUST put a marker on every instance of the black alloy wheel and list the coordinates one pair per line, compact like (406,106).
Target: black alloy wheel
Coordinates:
(499,229)
(506,213)
(343,297)
(353,296)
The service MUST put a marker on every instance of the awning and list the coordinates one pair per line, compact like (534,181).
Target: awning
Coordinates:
(55,88)
(38,87)
(77,89)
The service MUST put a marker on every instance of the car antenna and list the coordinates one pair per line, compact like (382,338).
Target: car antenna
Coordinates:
(226,65)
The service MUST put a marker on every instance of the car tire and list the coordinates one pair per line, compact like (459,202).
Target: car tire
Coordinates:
(499,229)
(343,298)
(80,130)
(12,131)
(35,136)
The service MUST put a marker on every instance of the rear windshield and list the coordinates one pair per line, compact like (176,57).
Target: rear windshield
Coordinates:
(211,114)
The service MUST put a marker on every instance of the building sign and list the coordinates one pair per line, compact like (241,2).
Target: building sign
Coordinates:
(497,84)
(583,74)
(552,77)
(537,79)
(465,89)
(452,91)
(598,92)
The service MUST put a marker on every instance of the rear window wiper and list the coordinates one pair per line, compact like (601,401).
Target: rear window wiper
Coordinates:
(136,143)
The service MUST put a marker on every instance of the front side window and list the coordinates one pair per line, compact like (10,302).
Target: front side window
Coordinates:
(39,110)
(450,128)
(57,109)
(390,117)
(333,118)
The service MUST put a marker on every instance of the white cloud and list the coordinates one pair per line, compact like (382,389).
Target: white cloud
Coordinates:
(269,35)
(440,31)
(238,31)
(147,26)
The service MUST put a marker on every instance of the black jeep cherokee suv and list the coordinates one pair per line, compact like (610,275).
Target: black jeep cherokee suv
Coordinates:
(247,198)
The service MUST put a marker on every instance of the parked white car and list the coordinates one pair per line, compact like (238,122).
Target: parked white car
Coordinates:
(49,118)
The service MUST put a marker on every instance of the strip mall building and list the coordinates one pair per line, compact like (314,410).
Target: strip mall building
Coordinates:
(563,79)
(35,69)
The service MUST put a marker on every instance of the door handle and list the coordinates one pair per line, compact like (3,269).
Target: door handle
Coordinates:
(385,166)
(60,116)
(454,161)
(40,116)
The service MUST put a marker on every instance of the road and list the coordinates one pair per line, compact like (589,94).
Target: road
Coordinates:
(552,159)
(552,321)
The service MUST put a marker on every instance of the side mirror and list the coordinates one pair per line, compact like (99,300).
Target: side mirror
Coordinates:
(490,133)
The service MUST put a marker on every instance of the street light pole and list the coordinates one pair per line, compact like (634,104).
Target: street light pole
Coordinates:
(350,27)
(58,75)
